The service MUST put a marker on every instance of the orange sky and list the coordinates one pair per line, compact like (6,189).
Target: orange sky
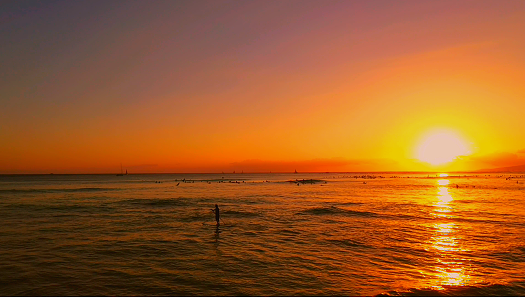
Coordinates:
(171,86)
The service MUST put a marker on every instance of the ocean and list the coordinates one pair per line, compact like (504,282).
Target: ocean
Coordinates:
(280,234)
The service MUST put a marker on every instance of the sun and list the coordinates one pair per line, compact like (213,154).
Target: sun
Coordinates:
(441,147)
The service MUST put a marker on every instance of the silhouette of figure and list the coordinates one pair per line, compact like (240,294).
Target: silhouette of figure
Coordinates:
(217,215)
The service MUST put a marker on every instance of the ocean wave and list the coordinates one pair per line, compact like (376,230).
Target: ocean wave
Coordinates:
(474,220)
(346,242)
(155,202)
(234,213)
(512,289)
(62,209)
(512,255)
(58,190)
(197,217)
(332,210)
(350,203)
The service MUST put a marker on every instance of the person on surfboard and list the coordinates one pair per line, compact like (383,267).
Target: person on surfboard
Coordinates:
(217,215)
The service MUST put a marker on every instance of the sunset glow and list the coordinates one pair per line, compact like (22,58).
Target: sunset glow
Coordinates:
(213,86)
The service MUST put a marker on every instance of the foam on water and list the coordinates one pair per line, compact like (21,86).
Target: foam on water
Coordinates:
(146,235)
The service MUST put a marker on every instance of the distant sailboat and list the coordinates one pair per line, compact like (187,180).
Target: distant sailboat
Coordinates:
(121,173)
(295,171)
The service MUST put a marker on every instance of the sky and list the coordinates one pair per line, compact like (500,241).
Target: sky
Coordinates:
(259,86)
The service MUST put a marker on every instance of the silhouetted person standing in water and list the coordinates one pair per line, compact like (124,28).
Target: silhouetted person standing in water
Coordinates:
(217,215)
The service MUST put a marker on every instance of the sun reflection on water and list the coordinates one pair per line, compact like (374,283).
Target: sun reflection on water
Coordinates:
(443,182)
(442,207)
(450,267)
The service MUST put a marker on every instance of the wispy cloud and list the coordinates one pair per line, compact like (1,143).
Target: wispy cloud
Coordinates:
(495,160)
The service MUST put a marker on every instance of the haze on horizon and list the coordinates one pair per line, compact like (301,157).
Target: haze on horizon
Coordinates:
(212,86)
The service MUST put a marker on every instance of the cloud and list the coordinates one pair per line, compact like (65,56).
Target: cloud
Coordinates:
(494,160)
(521,151)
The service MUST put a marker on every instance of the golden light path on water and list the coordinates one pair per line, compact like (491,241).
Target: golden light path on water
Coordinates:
(450,269)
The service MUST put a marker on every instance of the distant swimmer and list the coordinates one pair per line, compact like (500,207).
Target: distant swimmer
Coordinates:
(217,215)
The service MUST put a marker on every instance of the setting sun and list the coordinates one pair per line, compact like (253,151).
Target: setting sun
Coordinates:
(440,147)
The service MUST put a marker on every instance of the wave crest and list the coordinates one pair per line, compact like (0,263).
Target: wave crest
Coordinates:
(332,210)
(513,289)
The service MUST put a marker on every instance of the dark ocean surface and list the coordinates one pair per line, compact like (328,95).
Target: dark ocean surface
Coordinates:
(342,234)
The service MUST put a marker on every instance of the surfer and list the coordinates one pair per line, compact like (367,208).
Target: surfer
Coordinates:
(217,215)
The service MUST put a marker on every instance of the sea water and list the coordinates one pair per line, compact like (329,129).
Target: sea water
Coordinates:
(280,234)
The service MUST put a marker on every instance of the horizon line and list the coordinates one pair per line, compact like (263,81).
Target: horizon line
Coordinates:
(268,172)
